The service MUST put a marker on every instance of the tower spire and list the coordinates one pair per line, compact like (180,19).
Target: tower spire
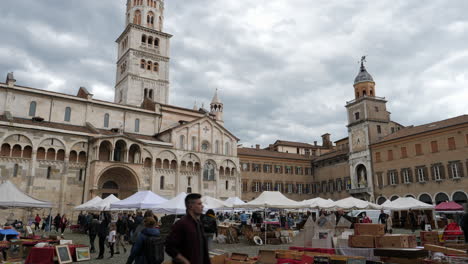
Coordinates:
(364,83)
(216,107)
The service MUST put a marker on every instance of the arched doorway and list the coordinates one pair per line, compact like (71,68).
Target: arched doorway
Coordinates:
(441,197)
(361,173)
(119,181)
(425,198)
(460,197)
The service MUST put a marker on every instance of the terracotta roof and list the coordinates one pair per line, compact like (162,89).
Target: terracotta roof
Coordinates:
(343,139)
(62,126)
(270,154)
(330,155)
(294,144)
(414,130)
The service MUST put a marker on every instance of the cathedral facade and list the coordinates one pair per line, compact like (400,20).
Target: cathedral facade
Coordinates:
(70,148)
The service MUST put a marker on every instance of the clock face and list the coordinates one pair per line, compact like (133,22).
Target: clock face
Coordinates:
(358,139)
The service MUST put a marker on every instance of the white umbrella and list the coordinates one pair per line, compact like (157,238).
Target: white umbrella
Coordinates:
(406,203)
(88,204)
(140,200)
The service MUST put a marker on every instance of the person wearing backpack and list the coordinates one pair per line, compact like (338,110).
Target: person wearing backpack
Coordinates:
(148,248)
(210,226)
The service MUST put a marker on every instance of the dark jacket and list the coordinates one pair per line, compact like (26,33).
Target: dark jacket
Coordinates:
(210,226)
(137,253)
(93,227)
(122,226)
(103,229)
(187,238)
(464,222)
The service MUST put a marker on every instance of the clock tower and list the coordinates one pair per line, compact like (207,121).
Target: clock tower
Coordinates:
(368,121)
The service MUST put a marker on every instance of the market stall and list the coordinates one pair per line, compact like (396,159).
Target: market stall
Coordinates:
(87,205)
(175,205)
(104,205)
(139,200)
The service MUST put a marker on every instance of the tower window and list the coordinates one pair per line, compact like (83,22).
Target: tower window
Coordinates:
(49,172)
(137,125)
(356,115)
(379,129)
(145,93)
(137,17)
(151,94)
(67,114)
(150,41)
(149,65)
(142,64)
(156,67)
(364,93)
(181,141)
(80,176)
(106,120)
(161,183)
(32,108)
(194,143)
(156,42)
(143,38)
(370,92)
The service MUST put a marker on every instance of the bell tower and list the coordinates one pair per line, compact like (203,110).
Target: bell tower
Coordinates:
(216,108)
(143,55)
(368,121)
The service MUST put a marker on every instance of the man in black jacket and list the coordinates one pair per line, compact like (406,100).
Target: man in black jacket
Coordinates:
(93,228)
(103,231)
(464,224)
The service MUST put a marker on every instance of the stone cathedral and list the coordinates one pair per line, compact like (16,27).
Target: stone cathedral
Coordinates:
(70,148)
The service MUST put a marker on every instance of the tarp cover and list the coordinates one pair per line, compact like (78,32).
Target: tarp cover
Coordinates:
(140,200)
(406,203)
(12,197)
(352,203)
(269,199)
(104,205)
(86,206)
(175,205)
(449,206)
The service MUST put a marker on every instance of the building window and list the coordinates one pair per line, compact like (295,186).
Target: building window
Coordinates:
(356,116)
(137,125)
(379,129)
(15,170)
(161,183)
(226,149)
(288,170)
(434,146)
(256,187)
(377,157)
(266,168)
(451,143)
(106,120)
(209,172)
(421,176)
(156,67)
(376,109)
(67,114)
(279,187)
(181,141)
(390,155)
(49,172)
(194,143)
(392,178)
(455,170)
(406,176)
(268,186)
(298,170)
(205,146)
(256,167)
(278,169)
(299,188)
(142,64)
(404,153)
(81,174)
(339,185)
(32,108)
(290,188)
(227,185)
(418,149)
(348,184)
(331,187)
(245,166)
(244,186)
(436,171)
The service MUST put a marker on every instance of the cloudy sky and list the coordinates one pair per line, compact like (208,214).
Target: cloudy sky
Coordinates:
(285,68)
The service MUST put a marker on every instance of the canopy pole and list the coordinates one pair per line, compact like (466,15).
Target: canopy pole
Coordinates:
(266,225)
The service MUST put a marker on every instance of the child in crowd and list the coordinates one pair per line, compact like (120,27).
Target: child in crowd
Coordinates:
(111,238)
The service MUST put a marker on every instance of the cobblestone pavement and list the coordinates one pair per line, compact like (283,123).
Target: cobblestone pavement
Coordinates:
(242,247)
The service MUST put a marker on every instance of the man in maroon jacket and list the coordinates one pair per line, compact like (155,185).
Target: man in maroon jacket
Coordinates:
(186,243)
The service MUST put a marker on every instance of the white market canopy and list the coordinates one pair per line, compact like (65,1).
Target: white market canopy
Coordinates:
(318,203)
(271,200)
(231,201)
(351,203)
(212,203)
(86,206)
(406,203)
(104,205)
(140,200)
(12,197)
(175,205)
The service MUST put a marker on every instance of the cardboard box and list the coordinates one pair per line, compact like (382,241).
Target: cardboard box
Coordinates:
(430,237)
(219,259)
(395,241)
(361,241)
(239,256)
(369,229)
(265,257)
(287,254)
